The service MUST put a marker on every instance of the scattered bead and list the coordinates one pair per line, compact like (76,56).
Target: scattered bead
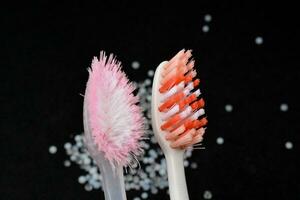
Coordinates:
(135,65)
(150,73)
(67,145)
(259,40)
(185,163)
(220,140)
(144,195)
(284,107)
(88,187)
(81,179)
(194,165)
(52,149)
(207,17)
(148,82)
(205,28)
(288,145)
(67,163)
(228,108)
(207,194)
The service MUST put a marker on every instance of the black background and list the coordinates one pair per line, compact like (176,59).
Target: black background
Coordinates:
(46,47)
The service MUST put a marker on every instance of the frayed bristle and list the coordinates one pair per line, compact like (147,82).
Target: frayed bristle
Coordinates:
(114,118)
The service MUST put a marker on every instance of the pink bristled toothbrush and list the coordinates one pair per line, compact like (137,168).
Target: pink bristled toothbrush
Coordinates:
(177,116)
(113,123)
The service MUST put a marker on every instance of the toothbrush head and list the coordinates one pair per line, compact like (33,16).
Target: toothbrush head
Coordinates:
(113,121)
(178,112)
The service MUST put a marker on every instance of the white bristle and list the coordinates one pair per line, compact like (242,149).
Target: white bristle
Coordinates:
(186,91)
(197,92)
(169,113)
(190,86)
(172,91)
(201,111)
(175,109)
(197,114)
(186,112)
(194,73)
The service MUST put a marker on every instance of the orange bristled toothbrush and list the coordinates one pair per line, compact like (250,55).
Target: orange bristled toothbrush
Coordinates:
(178,119)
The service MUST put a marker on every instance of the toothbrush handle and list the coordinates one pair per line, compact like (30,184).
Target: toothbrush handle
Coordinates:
(176,176)
(112,180)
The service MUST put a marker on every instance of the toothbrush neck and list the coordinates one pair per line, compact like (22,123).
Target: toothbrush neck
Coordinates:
(113,181)
(176,176)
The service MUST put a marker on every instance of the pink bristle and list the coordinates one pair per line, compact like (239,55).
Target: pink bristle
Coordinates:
(115,121)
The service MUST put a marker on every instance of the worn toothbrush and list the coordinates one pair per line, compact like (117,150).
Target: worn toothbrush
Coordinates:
(178,116)
(113,123)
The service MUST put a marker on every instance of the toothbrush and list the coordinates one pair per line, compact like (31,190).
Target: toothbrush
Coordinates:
(177,116)
(113,123)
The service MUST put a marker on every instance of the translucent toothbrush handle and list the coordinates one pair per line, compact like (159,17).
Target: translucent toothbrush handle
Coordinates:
(112,180)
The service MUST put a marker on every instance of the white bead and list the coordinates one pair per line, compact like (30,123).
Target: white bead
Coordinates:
(52,149)
(135,65)
(81,179)
(67,163)
(220,140)
(207,194)
(284,107)
(228,108)
(194,165)
(205,28)
(144,195)
(259,40)
(186,163)
(207,17)
(150,73)
(148,81)
(288,145)
(88,187)
(67,145)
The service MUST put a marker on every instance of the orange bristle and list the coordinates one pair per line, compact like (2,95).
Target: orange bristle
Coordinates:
(184,139)
(171,122)
(188,79)
(201,103)
(195,105)
(196,82)
(171,82)
(171,101)
(187,101)
(199,123)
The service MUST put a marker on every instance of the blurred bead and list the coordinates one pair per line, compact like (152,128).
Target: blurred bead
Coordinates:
(288,145)
(52,149)
(220,140)
(259,40)
(135,65)
(207,17)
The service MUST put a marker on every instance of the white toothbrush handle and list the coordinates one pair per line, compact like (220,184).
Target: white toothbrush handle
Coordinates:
(112,180)
(176,175)
(174,157)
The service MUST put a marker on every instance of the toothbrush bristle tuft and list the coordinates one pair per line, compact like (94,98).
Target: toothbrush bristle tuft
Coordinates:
(115,120)
(182,107)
